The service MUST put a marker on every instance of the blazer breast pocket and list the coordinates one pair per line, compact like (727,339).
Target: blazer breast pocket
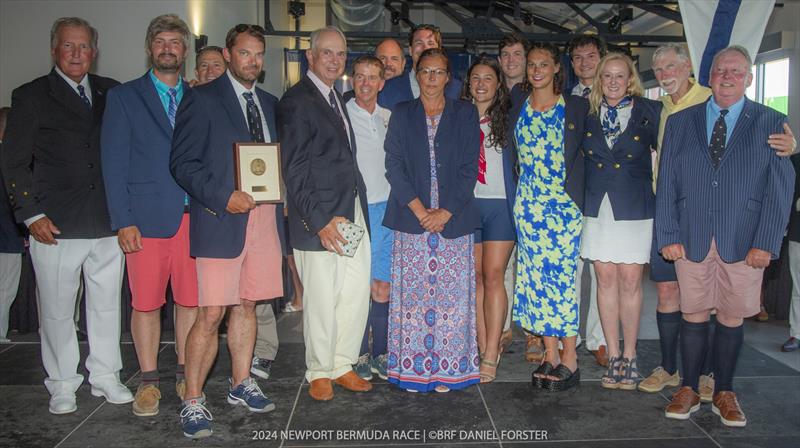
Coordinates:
(753,205)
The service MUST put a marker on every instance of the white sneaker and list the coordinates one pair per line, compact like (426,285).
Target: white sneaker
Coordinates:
(63,403)
(114,392)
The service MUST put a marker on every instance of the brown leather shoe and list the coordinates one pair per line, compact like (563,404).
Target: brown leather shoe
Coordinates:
(727,407)
(601,355)
(684,402)
(534,348)
(353,382)
(321,389)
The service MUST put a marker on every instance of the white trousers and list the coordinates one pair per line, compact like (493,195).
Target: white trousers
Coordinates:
(336,293)
(794,310)
(58,269)
(594,331)
(10,268)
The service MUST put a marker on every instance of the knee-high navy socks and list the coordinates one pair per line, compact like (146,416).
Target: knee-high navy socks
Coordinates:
(378,320)
(669,327)
(694,344)
(727,344)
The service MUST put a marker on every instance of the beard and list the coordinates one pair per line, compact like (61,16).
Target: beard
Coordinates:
(167,65)
(674,87)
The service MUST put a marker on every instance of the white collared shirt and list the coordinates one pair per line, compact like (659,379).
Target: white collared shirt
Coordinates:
(84,82)
(370,132)
(240,89)
(326,91)
(578,89)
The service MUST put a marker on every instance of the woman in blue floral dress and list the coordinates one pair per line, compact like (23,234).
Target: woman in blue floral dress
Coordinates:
(548,217)
(432,147)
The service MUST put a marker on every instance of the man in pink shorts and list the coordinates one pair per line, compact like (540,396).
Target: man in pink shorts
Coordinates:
(721,211)
(148,209)
(236,242)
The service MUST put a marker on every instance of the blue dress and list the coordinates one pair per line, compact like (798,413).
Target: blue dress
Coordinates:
(548,227)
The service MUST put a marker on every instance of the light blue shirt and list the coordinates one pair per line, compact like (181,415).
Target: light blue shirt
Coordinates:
(163,91)
(712,114)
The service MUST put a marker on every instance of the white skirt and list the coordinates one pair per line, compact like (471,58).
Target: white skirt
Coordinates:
(607,240)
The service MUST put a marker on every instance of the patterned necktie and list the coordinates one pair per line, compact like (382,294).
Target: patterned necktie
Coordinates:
(253,119)
(586,92)
(718,137)
(482,158)
(84,98)
(173,106)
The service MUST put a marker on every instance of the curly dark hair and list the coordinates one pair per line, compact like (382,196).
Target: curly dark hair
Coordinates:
(501,104)
(558,78)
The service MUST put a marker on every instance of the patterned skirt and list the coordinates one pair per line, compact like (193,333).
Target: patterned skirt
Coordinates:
(432,328)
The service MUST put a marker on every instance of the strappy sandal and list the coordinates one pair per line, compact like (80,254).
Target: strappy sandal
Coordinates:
(630,376)
(611,378)
(442,389)
(544,369)
(488,377)
(566,379)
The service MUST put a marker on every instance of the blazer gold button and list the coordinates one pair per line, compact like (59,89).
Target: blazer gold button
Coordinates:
(590,152)
(616,165)
(599,165)
(588,134)
(630,156)
(571,126)
(24,193)
(636,138)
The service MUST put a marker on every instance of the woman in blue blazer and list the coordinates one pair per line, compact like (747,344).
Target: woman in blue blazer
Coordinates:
(621,135)
(494,198)
(432,147)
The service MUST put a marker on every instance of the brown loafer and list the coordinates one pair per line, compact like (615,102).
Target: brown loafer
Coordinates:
(727,407)
(321,389)
(534,349)
(683,404)
(353,382)
(601,355)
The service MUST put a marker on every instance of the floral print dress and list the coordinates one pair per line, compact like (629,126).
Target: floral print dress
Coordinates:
(548,227)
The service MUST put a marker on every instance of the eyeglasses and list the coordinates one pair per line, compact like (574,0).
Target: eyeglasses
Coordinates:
(437,72)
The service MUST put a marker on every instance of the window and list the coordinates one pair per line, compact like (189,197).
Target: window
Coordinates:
(771,84)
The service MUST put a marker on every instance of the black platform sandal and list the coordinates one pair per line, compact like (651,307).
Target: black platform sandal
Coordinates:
(544,369)
(566,379)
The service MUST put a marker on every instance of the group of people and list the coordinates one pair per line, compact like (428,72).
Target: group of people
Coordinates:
(445,178)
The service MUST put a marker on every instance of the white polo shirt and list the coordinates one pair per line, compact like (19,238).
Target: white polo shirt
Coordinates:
(370,132)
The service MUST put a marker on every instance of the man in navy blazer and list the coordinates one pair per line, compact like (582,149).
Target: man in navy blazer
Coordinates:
(235,242)
(148,209)
(721,211)
(404,87)
(11,247)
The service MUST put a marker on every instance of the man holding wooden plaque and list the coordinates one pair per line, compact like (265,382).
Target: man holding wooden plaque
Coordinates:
(234,226)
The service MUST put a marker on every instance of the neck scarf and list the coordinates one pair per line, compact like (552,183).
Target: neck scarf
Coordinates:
(610,121)
(482,158)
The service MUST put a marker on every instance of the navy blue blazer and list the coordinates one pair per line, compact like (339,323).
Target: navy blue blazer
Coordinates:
(10,236)
(794,217)
(408,168)
(742,204)
(208,123)
(624,172)
(135,143)
(398,90)
(319,163)
(575,110)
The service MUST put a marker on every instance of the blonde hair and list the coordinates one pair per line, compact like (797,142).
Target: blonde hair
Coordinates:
(634,84)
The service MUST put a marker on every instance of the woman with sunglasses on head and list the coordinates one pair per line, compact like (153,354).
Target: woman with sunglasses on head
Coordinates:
(547,132)
(621,134)
(494,198)
(432,146)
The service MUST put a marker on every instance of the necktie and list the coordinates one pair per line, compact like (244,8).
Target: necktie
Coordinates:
(253,119)
(718,136)
(586,92)
(482,158)
(173,106)
(332,99)
(84,98)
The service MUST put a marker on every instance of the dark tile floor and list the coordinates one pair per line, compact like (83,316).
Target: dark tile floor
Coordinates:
(505,413)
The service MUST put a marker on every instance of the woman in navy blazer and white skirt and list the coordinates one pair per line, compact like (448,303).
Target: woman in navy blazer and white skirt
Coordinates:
(621,134)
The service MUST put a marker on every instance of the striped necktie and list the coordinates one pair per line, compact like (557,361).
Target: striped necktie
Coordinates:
(173,106)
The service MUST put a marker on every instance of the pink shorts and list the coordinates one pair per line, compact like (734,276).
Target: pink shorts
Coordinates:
(256,274)
(163,260)
(733,289)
